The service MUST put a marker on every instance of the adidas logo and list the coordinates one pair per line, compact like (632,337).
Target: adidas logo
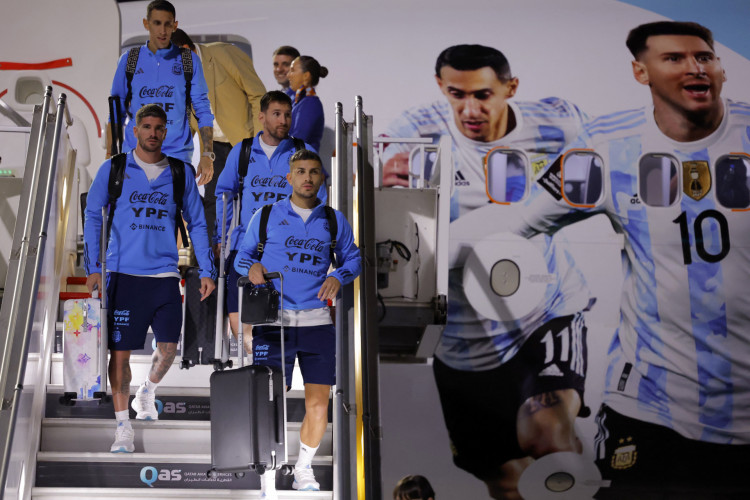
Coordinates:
(140,71)
(460,180)
(551,371)
(252,160)
(284,223)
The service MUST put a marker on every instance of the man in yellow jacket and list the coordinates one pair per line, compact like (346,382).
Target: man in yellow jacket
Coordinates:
(234,90)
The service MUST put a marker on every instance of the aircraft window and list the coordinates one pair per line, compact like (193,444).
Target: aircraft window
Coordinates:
(582,178)
(658,180)
(732,182)
(506,175)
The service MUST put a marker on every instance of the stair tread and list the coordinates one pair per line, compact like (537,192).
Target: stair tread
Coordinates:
(51,493)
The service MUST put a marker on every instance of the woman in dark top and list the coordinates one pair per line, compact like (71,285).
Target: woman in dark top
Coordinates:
(307,112)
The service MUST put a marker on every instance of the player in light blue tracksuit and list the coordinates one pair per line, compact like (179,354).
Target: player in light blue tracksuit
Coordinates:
(264,182)
(143,282)
(298,245)
(159,78)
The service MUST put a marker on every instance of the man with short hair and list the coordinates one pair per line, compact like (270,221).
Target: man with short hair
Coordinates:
(675,415)
(143,286)
(265,182)
(510,389)
(234,90)
(298,244)
(156,73)
(282,62)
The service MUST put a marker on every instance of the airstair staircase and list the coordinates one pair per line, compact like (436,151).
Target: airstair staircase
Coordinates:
(54,450)
(172,455)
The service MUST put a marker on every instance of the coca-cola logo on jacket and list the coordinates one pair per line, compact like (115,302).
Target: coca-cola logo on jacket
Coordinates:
(314,244)
(161,91)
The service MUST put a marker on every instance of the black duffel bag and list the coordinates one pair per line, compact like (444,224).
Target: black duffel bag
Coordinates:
(260,304)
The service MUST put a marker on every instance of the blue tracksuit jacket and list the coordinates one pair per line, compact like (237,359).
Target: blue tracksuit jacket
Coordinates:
(308,120)
(265,183)
(142,240)
(301,252)
(158,79)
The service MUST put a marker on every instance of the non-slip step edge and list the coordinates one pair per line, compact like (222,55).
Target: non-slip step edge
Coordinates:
(183,493)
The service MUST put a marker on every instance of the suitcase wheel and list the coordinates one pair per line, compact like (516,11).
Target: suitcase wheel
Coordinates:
(287,470)
(260,469)
(68,399)
(103,398)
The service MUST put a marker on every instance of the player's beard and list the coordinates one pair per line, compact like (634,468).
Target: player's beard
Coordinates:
(144,145)
(279,133)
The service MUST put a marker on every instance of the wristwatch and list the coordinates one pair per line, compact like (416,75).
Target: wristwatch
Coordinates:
(210,154)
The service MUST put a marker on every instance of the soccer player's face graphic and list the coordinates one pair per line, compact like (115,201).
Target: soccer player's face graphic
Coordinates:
(150,134)
(160,25)
(306,177)
(479,100)
(683,72)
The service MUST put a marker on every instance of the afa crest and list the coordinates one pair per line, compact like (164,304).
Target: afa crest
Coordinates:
(696,179)
(538,164)
(624,456)
(177,68)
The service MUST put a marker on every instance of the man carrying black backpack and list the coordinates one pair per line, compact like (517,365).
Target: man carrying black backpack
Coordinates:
(255,173)
(148,194)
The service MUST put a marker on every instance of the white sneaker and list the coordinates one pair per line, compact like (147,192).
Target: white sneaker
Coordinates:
(123,439)
(268,486)
(144,404)
(304,479)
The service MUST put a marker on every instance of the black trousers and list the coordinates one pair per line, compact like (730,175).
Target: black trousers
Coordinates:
(221,150)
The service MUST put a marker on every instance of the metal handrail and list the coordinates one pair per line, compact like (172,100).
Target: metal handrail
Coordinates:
(369,359)
(25,267)
(344,416)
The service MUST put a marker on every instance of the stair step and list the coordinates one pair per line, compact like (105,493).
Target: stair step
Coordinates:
(172,404)
(174,437)
(140,365)
(60,470)
(164,493)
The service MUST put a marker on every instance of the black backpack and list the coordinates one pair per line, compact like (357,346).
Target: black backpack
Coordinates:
(333,228)
(244,164)
(117,175)
(187,71)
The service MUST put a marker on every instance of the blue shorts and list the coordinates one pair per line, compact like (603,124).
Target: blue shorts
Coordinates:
(232,276)
(314,346)
(136,302)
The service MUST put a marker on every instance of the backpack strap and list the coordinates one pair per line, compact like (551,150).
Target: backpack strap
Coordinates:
(244,164)
(187,71)
(178,192)
(265,213)
(114,185)
(333,228)
(129,72)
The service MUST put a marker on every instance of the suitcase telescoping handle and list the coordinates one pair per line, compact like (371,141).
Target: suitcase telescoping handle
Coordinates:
(103,330)
(241,352)
(221,344)
(115,125)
